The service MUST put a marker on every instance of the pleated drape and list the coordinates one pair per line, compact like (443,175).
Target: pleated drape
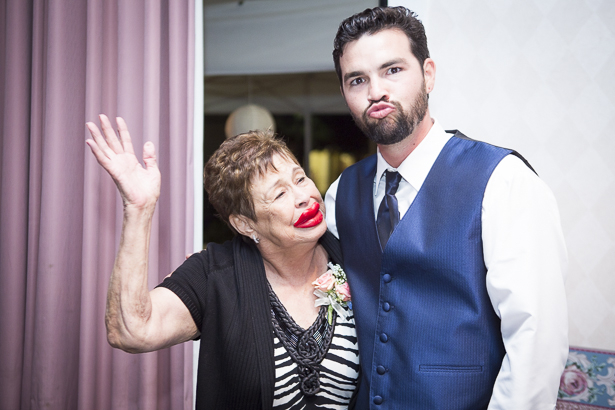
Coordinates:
(62,62)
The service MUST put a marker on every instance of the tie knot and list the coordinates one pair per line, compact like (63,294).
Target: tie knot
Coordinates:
(393,178)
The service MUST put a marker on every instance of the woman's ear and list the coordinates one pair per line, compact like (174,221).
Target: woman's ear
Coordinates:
(241,224)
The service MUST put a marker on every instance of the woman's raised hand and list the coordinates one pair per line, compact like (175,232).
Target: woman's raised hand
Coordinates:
(139,186)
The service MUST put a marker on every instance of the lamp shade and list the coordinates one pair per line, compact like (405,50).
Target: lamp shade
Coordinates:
(248,117)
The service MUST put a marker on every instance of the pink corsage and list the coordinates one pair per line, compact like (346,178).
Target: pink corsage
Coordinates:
(332,289)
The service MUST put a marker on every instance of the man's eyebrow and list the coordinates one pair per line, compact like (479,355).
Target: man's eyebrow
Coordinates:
(352,74)
(389,63)
(395,61)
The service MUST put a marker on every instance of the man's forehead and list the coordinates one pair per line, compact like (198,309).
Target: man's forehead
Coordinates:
(383,32)
(370,44)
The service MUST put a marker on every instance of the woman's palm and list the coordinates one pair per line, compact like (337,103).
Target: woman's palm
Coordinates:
(139,186)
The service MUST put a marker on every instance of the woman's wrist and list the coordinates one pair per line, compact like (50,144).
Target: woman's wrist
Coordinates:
(144,210)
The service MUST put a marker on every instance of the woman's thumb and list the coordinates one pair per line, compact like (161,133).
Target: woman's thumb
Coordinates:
(149,155)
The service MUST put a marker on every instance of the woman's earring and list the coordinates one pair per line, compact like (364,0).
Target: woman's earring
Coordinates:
(255,239)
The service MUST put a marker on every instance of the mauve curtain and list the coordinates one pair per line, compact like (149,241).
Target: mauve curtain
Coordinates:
(61,63)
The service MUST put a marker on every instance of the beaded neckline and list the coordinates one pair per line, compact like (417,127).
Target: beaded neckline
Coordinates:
(306,347)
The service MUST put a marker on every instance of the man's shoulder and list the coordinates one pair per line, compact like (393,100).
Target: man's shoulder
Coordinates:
(502,151)
(461,137)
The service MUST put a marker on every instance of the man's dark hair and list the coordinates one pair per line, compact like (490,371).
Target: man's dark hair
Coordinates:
(371,21)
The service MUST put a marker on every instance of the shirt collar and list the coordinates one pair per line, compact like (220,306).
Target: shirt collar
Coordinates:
(416,166)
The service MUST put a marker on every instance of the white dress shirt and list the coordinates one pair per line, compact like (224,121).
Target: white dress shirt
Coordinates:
(525,256)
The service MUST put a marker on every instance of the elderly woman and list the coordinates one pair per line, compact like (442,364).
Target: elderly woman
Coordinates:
(253,301)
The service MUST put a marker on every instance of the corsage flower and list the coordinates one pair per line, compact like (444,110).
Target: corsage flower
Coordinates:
(332,289)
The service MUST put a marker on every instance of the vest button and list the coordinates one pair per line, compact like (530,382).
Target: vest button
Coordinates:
(386,278)
(384,338)
(381,370)
(378,400)
(386,306)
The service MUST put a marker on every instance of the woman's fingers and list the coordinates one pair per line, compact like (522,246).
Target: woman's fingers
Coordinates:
(101,140)
(98,154)
(99,146)
(122,129)
(110,136)
(107,140)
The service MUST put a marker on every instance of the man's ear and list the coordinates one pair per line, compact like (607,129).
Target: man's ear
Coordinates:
(429,72)
(241,224)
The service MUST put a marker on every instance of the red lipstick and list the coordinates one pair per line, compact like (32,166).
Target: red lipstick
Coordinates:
(310,217)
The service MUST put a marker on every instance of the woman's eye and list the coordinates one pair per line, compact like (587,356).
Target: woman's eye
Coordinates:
(280,195)
(300,180)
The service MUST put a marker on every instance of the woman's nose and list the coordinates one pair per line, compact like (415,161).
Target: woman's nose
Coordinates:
(302,197)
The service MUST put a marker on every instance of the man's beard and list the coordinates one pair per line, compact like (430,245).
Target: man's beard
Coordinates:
(396,126)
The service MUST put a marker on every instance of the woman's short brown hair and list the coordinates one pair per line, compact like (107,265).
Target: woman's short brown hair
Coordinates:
(229,172)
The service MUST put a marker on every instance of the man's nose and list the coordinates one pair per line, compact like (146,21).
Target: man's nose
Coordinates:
(377,91)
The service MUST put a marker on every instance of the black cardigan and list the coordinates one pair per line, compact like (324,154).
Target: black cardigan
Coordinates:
(225,289)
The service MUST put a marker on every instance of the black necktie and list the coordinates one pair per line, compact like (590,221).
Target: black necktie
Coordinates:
(388,214)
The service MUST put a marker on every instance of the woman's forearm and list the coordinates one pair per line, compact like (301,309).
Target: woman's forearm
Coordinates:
(129,305)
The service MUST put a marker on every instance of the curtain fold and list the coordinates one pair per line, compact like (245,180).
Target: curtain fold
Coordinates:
(62,63)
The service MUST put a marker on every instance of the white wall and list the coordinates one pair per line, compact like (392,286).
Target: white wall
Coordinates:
(539,76)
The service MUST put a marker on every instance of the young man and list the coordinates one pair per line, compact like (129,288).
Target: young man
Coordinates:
(453,247)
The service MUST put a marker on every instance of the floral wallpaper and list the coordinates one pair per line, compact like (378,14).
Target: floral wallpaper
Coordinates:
(588,381)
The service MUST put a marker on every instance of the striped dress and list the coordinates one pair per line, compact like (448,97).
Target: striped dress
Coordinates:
(339,372)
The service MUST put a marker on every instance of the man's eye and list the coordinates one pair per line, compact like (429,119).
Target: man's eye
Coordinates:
(394,70)
(300,180)
(357,81)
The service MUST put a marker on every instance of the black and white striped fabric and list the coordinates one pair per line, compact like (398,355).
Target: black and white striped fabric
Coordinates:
(339,372)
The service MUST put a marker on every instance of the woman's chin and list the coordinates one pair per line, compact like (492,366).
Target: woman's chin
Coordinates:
(313,232)
(299,236)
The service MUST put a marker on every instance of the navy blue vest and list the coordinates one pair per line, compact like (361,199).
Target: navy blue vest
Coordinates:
(428,335)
